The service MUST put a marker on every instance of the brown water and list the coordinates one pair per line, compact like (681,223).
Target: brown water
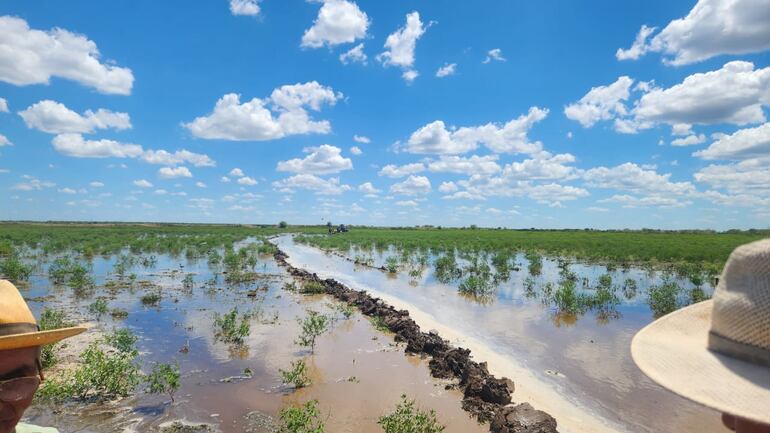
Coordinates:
(358,373)
(585,358)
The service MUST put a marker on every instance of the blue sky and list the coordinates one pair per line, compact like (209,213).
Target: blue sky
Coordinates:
(461,112)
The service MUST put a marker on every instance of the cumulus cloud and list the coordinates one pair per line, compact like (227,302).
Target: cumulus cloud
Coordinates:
(689,140)
(338,22)
(244,7)
(464,195)
(236,172)
(368,188)
(447,187)
(751,176)
(324,159)
(633,178)
(55,118)
(628,201)
(142,183)
(354,55)
(475,164)
(400,46)
(246,180)
(283,114)
(395,171)
(76,146)
(601,103)
(543,167)
(4,141)
(711,28)
(96,184)
(361,139)
(163,157)
(3,105)
(743,144)
(313,183)
(495,54)
(355,150)
(413,185)
(29,56)
(446,70)
(174,172)
(435,138)
(31,183)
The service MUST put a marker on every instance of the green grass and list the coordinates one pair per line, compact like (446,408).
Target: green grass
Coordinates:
(408,418)
(648,246)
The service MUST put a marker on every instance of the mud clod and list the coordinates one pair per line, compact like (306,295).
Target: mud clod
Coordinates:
(485,396)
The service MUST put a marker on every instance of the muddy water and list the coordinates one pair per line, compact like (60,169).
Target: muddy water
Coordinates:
(586,360)
(358,373)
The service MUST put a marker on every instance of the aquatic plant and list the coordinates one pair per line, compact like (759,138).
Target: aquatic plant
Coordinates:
(662,299)
(629,288)
(229,329)
(14,269)
(118,313)
(98,307)
(313,325)
(535,263)
(296,375)
(479,275)
(150,299)
(51,319)
(568,300)
(379,323)
(101,375)
(408,418)
(164,379)
(188,282)
(302,419)
(446,269)
(122,339)
(312,287)
(391,264)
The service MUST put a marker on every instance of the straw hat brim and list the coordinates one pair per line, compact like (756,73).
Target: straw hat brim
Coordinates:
(673,351)
(40,338)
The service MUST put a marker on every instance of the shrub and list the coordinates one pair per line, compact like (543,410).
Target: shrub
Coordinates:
(229,330)
(123,340)
(446,269)
(312,287)
(151,299)
(164,379)
(51,319)
(283,224)
(313,325)
(391,264)
(567,299)
(662,298)
(302,419)
(14,269)
(98,307)
(407,418)
(297,375)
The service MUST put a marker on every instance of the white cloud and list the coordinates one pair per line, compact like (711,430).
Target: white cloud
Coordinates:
(597,209)
(446,70)
(160,192)
(368,188)
(96,184)
(464,195)
(633,178)
(601,103)
(201,203)
(711,28)
(313,183)
(681,129)
(246,180)
(324,159)
(183,156)
(509,138)
(354,55)
(244,7)
(67,191)
(4,141)
(751,176)
(629,201)
(55,118)
(236,172)
(142,183)
(742,91)
(494,54)
(29,56)
(413,185)
(400,46)
(475,164)
(410,75)
(338,22)
(3,105)
(355,150)
(283,114)
(407,203)
(543,167)
(361,139)
(174,172)
(447,187)
(200,184)
(76,146)
(224,179)
(743,144)
(394,171)
(690,140)
(32,184)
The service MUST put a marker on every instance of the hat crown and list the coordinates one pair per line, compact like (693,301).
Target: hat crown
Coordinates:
(741,311)
(13,308)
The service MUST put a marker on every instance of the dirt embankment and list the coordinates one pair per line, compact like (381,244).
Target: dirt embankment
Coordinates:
(485,396)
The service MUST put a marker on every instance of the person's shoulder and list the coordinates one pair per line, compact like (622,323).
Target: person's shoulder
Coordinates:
(29,428)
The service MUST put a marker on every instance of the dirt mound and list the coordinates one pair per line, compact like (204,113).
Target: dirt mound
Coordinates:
(485,396)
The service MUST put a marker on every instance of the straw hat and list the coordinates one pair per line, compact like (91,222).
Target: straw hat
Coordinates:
(18,328)
(717,352)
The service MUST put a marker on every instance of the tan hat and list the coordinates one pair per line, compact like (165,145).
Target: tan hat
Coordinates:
(717,352)
(18,328)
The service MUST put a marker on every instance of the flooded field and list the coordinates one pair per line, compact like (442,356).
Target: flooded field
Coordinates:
(356,372)
(582,353)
